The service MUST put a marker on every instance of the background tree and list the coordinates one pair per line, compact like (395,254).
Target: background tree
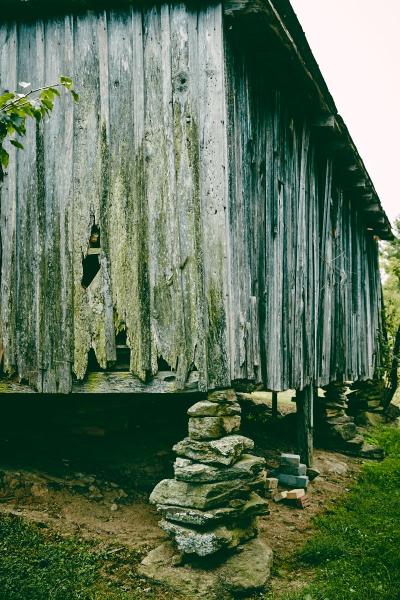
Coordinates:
(16,108)
(391,296)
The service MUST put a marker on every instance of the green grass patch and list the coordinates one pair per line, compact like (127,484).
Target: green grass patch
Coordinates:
(355,553)
(36,564)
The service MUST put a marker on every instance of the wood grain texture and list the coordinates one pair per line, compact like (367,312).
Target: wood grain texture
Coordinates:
(320,305)
(230,246)
(135,157)
(305,425)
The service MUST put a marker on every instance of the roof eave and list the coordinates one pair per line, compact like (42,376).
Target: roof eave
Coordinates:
(281,18)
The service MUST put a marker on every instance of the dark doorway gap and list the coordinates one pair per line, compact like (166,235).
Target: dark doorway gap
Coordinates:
(91,262)
(163,365)
(123,352)
(93,365)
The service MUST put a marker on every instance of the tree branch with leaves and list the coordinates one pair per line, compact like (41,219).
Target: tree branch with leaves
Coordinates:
(390,258)
(16,108)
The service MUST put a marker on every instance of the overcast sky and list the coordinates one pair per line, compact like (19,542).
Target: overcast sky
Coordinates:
(357,46)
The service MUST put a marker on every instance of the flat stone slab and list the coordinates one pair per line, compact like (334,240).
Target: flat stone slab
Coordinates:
(197,495)
(236,509)
(241,572)
(346,431)
(372,452)
(247,467)
(212,428)
(339,420)
(295,481)
(290,459)
(289,469)
(224,451)
(205,408)
(222,396)
(203,543)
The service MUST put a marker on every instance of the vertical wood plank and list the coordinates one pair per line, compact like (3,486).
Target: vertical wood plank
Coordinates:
(8,78)
(185,157)
(304,403)
(274,405)
(89,311)
(214,193)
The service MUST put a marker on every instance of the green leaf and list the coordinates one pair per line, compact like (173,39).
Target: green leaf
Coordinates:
(37,114)
(48,94)
(5,98)
(4,157)
(16,119)
(54,91)
(74,95)
(47,103)
(66,82)
(17,144)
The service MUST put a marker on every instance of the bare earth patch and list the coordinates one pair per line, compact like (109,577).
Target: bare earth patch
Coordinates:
(92,508)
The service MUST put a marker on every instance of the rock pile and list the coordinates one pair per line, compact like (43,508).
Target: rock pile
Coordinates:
(333,424)
(291,472)
(365,402)
(213,501)
(338,415)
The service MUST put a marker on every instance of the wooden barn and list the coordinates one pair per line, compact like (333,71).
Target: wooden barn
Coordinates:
(200,218)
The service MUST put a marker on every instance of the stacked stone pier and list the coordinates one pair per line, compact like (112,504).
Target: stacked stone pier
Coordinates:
(213,501)
(337,427)
(209,509)
(334,424)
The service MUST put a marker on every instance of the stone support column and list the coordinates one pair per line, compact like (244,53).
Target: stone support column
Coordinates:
(335,427)
(212,503)
(366,402)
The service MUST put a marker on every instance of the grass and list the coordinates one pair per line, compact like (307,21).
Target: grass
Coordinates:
(36,564)
(355,553)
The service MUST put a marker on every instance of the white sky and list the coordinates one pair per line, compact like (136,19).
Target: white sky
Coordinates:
(357,46)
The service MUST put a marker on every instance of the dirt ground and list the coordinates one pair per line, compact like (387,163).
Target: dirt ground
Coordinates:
(86,470)
(86,505)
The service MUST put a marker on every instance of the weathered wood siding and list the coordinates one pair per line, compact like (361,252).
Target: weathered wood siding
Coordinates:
(143,156)
(227,243)
(301,249)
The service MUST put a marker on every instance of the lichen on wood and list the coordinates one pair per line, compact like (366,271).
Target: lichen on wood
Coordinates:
(229,246)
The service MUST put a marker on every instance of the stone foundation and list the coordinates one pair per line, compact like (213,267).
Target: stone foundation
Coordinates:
(230,576)
(365,402)
(210,508)
(337,426)
(333,425)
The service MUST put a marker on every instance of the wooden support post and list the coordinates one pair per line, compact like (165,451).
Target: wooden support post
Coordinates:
(274,405)
(304,403)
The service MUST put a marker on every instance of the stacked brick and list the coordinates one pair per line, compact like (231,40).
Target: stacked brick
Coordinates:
(213,501)
(291,472)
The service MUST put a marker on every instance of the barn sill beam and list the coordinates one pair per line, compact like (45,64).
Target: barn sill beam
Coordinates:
(115,382)
(110,382)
